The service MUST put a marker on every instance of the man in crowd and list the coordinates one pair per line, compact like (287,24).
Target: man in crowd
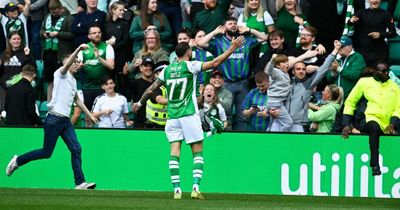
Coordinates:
(236,69)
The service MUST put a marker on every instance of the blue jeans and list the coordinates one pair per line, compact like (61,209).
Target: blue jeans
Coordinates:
(55,126)
(239,90)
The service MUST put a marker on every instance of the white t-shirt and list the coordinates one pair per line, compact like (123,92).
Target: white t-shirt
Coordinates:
(119,106)
(64,91)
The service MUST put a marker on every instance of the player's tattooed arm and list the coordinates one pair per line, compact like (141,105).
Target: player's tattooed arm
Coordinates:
(146,95)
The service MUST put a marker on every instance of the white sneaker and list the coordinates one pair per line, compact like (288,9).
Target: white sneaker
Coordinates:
(86,186)
(12,165)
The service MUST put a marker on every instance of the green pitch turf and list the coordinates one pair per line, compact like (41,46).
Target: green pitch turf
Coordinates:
(42,199)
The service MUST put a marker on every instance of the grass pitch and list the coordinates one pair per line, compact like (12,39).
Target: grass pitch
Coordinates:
(28,199)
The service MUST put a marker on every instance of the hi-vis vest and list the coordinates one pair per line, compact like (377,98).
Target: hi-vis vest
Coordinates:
(157,113)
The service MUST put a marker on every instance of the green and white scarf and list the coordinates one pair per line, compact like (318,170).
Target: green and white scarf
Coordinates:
(348,29)
(51,43)
(16,25)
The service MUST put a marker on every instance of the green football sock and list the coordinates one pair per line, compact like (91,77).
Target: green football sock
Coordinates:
(174,171)
(198,164)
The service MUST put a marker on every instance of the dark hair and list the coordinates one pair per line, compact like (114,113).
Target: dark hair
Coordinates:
(28,70)
(368,72)
(143,15)
(181,49)
(183,31)
(230,18)
(278,33)
(195,32)
(94,25)
(260,77)
(105,79)
(8,51)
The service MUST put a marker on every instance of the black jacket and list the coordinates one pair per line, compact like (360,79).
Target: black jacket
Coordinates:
(20,104)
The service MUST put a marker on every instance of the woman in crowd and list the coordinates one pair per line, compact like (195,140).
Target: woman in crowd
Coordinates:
(116,31)
(149,19)
(210,107)
(256,17)
(151,48)
(323,116)
(111,108)
(290,20)
(12,60)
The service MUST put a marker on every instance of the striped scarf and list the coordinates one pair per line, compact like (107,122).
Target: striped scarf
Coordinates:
(51,43)
(348,29)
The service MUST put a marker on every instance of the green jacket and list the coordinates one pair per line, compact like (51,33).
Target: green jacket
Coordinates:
(325,117)
(136,33)
(351,66)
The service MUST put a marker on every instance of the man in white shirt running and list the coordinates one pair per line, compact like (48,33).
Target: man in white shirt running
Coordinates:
(57,122)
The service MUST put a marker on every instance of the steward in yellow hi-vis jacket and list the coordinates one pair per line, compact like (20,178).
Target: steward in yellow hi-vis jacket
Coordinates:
(382,112)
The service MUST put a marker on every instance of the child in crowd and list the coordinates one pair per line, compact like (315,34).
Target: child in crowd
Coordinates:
(278,91)
(211,110)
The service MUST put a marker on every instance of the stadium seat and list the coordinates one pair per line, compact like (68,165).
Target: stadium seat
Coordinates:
(384,5)
(394,49)
(395,69)
(43,109)
(39,69)
(131,115)
(394,55)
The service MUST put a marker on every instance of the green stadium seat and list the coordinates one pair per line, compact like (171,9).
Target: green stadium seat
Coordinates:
(384,5)
(39,69)
(394,50)
(395,69)
(43,109)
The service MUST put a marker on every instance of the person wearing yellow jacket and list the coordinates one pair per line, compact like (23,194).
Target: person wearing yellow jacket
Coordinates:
(382,112)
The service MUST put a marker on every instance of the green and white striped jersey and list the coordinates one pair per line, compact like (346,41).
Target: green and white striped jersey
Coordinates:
(180,80)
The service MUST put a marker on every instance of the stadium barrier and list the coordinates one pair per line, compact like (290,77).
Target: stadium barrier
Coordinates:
(259,163)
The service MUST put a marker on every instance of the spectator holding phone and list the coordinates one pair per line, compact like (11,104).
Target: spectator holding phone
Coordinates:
(255,104)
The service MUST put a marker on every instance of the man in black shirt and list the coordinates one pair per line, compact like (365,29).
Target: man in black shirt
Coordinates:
(139,86)
(20,100)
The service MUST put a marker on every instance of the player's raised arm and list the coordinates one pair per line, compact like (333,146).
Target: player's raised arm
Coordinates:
(235,44)
(146,95)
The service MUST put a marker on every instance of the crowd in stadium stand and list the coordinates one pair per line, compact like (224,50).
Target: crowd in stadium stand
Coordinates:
(299,64)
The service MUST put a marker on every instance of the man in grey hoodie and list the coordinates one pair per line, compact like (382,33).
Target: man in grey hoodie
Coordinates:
(302,88)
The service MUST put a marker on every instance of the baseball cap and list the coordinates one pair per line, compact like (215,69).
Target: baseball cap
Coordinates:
(147,60)
(216,72)
(159,66)
(345,41)
(10,7)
